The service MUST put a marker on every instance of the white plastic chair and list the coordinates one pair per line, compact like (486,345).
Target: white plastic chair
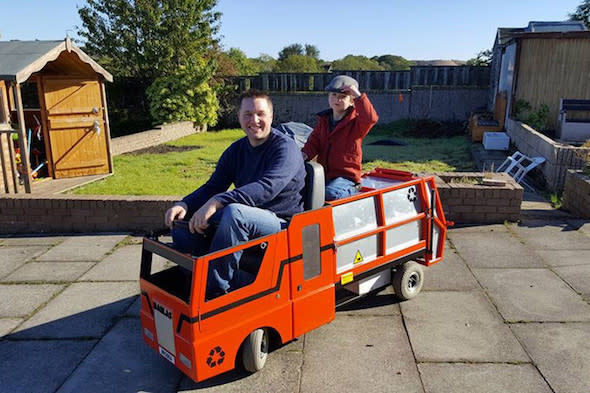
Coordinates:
(518,165)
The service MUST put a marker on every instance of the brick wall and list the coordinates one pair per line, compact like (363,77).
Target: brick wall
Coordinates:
(576,195)
(82,213)
(157,136)
(26,213)
(559,157)
(466,203)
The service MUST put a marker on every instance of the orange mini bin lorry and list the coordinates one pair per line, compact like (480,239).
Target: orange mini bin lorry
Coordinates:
(329,254)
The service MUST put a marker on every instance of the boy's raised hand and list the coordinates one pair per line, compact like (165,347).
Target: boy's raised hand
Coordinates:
(352,90)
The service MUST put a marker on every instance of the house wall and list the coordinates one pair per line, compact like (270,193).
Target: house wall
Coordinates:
(553,68)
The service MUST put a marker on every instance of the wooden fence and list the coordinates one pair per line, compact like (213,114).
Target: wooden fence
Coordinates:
(370,80)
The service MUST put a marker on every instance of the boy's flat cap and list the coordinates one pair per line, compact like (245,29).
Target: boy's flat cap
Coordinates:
(339,82)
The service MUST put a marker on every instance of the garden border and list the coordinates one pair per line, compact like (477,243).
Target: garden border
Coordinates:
(67,213)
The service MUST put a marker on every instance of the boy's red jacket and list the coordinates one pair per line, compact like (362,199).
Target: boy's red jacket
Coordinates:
(340,151)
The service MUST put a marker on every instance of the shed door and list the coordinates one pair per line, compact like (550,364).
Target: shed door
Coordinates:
(75,120)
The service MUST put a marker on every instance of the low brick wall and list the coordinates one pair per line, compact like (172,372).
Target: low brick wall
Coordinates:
(25,213)
(576,195)
(559,157)
(157,136)
(82,213)
(466,203)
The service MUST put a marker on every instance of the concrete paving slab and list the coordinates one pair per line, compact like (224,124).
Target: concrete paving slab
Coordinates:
(564,257)
(505,251)
(532,295)
(484,377)
(281,374)
(578,277)
(123,264)
(32,240)
(459,327)
(81,310)
(560,351)
(39,366)
(354,354)
(479,228)
(552,235)
(382,303)
(12,257)
(82,248)
(49,272)
(7,324)
(121,362)
(19,300)
(452,274)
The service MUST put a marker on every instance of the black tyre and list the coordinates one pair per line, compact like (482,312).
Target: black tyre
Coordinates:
(255,350)
(407,280)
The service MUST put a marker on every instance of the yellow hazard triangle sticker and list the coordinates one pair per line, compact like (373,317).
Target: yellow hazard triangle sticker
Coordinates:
(358,258)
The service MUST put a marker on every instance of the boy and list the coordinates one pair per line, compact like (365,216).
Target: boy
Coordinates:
(336,139)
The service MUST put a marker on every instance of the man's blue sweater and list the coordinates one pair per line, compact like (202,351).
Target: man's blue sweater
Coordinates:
(270,176)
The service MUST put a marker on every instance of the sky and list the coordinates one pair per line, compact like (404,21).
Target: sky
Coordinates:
(413,29)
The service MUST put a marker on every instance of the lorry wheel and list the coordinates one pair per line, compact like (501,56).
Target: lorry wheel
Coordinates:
(407,280)
(255,350)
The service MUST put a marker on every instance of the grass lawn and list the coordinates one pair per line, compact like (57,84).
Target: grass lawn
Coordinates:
(179,167)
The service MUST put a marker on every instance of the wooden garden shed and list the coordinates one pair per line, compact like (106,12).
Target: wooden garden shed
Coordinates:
(56,94)
(541,64)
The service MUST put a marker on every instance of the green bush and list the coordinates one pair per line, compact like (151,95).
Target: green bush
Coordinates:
(537,119)
(185,95)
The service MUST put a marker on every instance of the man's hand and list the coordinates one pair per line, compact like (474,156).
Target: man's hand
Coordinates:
(199,222)
(352,90)
(178,211)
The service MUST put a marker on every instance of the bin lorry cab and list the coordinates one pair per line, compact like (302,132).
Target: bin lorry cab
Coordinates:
(329,254)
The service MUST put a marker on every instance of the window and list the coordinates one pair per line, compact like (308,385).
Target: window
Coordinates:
(241,268)
(312,261)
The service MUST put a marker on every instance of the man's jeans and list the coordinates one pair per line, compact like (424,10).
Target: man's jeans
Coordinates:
(235,224)
(340,187)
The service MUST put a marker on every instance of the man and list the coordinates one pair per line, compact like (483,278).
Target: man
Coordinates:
(268,173)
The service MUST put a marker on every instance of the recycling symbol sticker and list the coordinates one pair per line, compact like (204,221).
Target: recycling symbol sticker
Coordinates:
(216,356)
(412,194)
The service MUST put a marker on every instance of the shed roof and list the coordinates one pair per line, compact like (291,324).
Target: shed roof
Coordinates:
(19,59)
(505,34)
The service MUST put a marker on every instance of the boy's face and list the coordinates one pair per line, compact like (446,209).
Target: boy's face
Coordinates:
(339,102)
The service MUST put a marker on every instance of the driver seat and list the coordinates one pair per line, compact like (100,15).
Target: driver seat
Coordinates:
(314,192)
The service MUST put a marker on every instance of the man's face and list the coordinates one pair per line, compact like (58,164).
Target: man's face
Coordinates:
(255,118)
(339,102)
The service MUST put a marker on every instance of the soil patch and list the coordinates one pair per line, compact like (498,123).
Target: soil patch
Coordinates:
(389,142)
(163,149)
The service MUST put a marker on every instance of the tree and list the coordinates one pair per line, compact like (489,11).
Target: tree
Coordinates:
(291,50)
(235,62)
(264,62)
(312,51)
(393,63)
(157,43)
(297,63)
(582,13)
(185,94)
(148,38)
(352,62)
(483,59)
